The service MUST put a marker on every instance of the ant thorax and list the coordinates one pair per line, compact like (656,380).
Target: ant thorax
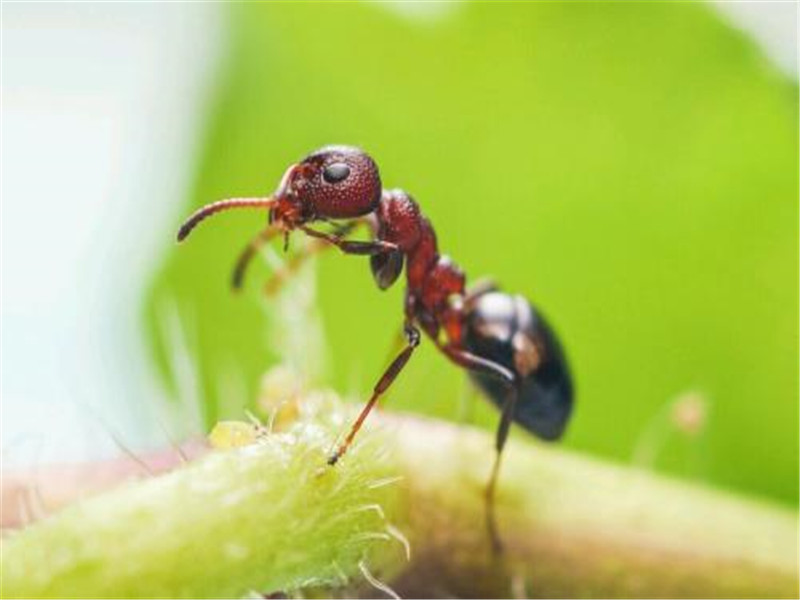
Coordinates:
(433,280)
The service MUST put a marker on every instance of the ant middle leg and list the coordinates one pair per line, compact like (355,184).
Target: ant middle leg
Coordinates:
(412,337)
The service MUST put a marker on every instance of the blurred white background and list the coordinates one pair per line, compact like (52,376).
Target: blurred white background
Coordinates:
(101,108)
(102,104)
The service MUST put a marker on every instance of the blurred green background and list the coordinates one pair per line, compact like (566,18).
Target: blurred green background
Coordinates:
(631,168)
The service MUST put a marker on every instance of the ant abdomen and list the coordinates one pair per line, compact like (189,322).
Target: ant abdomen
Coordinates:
(509,331)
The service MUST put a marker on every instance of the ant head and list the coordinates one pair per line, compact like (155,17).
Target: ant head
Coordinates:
(335,182)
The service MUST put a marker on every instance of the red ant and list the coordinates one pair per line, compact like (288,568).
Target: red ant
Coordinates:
(502,340)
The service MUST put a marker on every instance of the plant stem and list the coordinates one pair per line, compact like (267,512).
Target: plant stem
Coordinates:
(261,518)
(270,517)
(573,526)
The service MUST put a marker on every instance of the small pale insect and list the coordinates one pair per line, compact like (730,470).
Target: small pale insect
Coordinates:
(234,434)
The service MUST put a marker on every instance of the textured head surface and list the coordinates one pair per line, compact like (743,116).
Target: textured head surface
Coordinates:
(337,182)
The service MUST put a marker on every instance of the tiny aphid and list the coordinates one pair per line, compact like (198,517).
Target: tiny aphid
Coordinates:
(234,434)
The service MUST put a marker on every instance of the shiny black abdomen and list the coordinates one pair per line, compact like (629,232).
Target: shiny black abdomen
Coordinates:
(545,401)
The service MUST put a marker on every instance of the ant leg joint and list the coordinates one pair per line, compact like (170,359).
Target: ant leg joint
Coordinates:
(412,335)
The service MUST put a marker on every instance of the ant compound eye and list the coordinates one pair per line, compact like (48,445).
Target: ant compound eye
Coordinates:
(336,172)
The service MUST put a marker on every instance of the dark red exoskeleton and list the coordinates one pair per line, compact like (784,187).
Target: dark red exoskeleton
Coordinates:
(500,339)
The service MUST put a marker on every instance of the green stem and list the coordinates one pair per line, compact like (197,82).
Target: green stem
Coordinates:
(270,517)
(574,526)
(261,518)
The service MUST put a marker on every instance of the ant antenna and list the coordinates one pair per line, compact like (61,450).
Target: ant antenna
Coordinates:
(219,206)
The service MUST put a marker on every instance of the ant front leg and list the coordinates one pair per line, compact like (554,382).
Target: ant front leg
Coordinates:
(487,367)
(247,254)
(363,248)
(293,264)
(391,373)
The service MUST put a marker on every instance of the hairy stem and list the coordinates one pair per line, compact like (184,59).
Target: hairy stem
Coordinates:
(269,516)
(266,517)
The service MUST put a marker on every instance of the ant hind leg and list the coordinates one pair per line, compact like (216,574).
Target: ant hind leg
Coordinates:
(500,441)
(488,367)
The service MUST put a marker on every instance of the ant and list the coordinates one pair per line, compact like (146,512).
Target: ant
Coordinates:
(502,340)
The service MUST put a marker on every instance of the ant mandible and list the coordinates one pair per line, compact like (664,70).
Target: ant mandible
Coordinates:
(502,340)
